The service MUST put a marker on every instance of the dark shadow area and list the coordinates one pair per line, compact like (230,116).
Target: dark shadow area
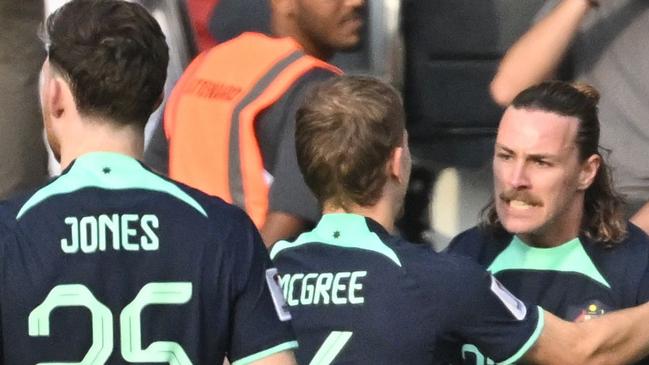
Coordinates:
(453,49)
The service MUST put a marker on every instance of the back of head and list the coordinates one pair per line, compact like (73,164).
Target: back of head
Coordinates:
(345,133)
(114,56)
(603,218)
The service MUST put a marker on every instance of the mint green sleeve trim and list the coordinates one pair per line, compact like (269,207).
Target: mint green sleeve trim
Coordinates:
(277,247)
(260,355)
(530,342)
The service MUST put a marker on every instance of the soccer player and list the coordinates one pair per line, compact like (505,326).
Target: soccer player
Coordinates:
(110,263)
(359,294)
(555,233)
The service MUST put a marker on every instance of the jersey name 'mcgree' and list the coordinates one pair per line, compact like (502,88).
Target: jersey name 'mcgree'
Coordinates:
(325,288)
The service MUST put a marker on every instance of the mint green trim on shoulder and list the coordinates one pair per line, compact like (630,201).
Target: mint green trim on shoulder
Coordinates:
(304,238)
(260,355)
(111,171)
(530,341)
(568,257)
(282,245)
(341,230)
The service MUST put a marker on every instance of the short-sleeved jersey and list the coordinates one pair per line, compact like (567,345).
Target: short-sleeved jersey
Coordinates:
(361,296)
(111,264)
(577,280)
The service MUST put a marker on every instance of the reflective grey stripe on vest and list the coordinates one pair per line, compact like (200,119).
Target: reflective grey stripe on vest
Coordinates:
(234,166)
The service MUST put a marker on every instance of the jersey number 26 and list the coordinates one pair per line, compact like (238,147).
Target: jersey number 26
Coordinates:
(77,295)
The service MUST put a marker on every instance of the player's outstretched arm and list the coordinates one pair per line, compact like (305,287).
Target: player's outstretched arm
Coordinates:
(280,358)
(620,337)
(537,54)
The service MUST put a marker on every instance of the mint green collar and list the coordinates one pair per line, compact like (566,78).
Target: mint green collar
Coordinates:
(111,171)
(342,230)
(567,257)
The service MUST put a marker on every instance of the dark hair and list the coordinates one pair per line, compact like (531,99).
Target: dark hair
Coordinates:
(603,218)
(114,56)
(346,131)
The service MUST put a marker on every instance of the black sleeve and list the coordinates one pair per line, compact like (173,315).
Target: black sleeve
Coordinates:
(6,235)
(289,193)
(468,243)
(256,330)
(156,155)
(639,240)
(643,288)
(487,315)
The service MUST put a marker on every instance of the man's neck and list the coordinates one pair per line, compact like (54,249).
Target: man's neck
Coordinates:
(545,241)
(94,136)
(554,235)
(380,212)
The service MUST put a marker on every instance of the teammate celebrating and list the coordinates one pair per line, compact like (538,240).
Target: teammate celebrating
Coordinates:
(111,263)
(361,295)
(555,231)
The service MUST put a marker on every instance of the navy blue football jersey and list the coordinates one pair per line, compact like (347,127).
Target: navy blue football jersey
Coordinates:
(578,280)
(361,296)
(112,264)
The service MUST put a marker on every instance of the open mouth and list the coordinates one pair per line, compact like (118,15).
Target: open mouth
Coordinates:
(519,204)
(520,200)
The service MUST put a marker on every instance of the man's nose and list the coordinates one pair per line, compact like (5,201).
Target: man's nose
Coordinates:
(519,178)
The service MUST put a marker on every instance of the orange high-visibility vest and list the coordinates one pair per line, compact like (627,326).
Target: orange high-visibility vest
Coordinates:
(211,113)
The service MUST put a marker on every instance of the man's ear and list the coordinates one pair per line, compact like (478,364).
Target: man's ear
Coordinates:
(588,171)
(54,98)
(394,164)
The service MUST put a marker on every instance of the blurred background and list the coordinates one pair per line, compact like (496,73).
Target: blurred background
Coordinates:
(441,54)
